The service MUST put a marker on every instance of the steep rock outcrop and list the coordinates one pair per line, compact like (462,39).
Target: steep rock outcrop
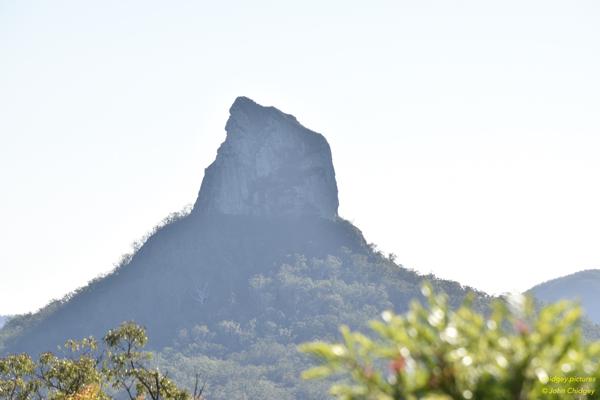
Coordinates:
(269,165)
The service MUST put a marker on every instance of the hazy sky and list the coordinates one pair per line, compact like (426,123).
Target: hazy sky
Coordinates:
(465,134)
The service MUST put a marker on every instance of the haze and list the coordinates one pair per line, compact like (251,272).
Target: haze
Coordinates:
(464,134)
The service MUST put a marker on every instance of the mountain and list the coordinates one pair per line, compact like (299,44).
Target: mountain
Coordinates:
(583,286)
(261,263)
(2,320)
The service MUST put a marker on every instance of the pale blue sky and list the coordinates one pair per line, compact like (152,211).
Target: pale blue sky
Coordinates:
(465,134)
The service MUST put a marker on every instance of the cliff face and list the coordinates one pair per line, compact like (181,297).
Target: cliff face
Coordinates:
(269,166)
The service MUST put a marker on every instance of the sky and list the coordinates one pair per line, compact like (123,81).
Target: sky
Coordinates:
(465,134)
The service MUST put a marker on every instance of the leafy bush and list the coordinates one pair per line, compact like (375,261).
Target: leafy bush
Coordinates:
(432,352)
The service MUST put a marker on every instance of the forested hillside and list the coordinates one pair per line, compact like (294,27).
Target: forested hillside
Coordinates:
(242,337)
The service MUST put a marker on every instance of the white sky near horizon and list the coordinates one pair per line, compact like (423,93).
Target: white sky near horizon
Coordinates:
(465,134)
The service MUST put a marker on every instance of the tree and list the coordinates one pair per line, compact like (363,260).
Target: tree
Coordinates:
(15,377)
(90,373)
(126,366)
(432,352)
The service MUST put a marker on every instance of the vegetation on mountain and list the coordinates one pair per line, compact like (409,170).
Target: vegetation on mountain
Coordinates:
(249,346)
(243,297)
(434,352)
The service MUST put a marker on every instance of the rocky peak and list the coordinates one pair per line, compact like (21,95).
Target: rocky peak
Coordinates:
(269,165)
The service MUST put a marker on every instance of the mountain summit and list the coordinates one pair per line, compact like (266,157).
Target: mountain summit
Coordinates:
(269,165)
(262,263)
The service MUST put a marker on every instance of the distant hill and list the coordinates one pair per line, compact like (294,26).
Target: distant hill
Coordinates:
(2,320)
(583,286)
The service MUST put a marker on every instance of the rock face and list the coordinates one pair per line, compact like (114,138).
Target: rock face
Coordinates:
(269,166)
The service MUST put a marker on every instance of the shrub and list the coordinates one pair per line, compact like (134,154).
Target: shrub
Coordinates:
(433,352)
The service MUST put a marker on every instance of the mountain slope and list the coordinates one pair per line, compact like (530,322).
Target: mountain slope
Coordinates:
(261,263)
(583,286)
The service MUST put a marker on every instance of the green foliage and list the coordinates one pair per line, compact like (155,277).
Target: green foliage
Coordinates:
(121,366)
(125,366)
(61,378)
(14,373)
(433,352)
